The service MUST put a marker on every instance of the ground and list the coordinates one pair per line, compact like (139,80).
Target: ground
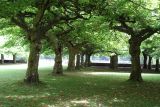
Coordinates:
(86,88)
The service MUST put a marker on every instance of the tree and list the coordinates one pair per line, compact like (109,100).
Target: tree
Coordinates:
(36,18)
(55,39)
(10,45)
(128,18)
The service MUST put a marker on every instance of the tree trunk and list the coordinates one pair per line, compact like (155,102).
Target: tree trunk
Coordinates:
(150,63)
(114,62)
(134,51)
(82,60)
(87,60)
(78,61)
(71,62)
(14,58)
(2,58)
(157,65)
(144,60)
(32,75)
(58,68)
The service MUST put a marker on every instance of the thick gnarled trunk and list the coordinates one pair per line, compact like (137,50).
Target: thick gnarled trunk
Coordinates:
(144,60)
(32,75)
(114,62)
(71,62)
(134,51)
(58,68)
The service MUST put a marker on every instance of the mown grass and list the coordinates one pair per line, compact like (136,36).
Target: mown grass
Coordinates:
(78,89)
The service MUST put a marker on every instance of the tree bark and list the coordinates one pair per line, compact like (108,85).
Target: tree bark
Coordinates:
(134,51)
(14,58)
(78,61)
(114,62)
(32,75)
(150,63)
(58,68)
(144,60)
(82,60)
(2,58)
(87,60)
(157,65)
(71,62)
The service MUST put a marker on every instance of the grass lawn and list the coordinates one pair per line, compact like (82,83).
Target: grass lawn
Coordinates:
(88,88)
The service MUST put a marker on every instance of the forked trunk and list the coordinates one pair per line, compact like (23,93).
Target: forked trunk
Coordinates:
(150,63)
(32,75)
(78,61)
(71,62)
(58,68)
(134,51)
(157,65)
(144,60)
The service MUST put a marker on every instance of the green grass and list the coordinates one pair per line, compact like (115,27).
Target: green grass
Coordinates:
(78,89)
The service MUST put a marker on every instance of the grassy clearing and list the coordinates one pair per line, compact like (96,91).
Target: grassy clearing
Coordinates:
(78,89)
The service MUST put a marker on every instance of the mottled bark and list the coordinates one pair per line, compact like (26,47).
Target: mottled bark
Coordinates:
(87,60)
(58,68)
(114,62)
(32,75)
(144,60)
(2,58)
(71,62)
(134,51)
(78,61)
(150,63)
(157,65)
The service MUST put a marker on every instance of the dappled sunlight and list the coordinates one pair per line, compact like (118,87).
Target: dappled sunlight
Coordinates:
(86,103)
(45,105)
(19,96)
(74,103)
(80,102)
(83,103)
(27,96)
(117,100)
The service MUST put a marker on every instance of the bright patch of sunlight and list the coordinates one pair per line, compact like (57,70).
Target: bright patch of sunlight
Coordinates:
(26,96)
(46,105)
(117,100)
(86,103)
(80,101)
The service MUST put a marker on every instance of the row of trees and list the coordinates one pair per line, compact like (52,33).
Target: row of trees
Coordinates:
(83,27)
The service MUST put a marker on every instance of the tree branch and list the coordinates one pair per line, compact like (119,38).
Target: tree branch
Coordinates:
(21,23)
(41,12)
